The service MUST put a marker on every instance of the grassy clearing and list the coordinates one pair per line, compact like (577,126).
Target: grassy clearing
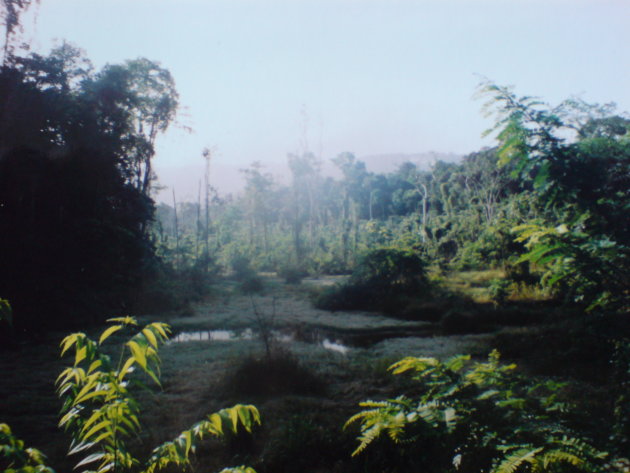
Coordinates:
(199,377)
(304,391)
(472,284)
(477,286)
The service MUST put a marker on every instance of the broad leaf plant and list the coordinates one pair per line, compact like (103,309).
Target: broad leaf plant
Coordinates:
(102,415)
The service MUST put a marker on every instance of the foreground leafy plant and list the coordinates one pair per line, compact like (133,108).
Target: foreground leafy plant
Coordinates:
(589,268)
(483,418)
(6,313)
(101,413)
(16,458)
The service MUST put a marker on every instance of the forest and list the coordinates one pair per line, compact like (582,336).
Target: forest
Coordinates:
(468,316)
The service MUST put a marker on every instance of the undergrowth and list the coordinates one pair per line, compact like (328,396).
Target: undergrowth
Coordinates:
(477,417)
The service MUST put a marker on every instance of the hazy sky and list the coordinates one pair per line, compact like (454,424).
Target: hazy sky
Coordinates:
(370,76)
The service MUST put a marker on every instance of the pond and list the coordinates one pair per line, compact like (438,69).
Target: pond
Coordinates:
(284,336)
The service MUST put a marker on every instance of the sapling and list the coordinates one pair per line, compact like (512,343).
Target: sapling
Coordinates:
(101,413)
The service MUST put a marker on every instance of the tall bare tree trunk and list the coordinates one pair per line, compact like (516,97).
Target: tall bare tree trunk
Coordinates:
(176,224)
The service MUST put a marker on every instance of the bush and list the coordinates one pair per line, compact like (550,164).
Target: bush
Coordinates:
(242,266)
(245,274)
(251,283)
(382,277)
(520,272)
(307,438)
(474,417)
(499,290)
(276,375)
(292,274)
(167,289)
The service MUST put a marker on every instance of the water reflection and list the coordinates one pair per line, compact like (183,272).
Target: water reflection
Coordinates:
(335,346)
(248,334)
(213,335)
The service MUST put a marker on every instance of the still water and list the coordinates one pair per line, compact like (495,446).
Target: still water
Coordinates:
(248,334)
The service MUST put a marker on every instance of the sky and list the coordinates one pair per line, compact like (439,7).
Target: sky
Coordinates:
(261,79)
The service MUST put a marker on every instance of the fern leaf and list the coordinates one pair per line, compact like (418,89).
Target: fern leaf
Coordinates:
(413,363)
(560,456)
(512,463)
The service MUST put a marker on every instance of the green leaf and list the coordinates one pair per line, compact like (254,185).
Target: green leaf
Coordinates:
(69,341)
(91,395)
(103,436)
(511,463)
(126,367)
(80,355)
(124,320)
(6,313)
(413,363)
(95,365)
(91,382)
(456,363)
(488,394)
(150,337)
(98,427)
(163,329)
(233,415)
(188,437)
(108,332)
(139,353)
(90,459)
(216,423)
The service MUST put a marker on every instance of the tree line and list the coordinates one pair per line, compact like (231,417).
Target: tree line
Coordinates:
(76,147)
(547,204)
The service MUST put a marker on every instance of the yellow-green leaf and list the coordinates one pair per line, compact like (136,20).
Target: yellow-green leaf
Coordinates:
(138,353)
(100,426)
(126,367)
(124,320)
(108,332)
(150,337)
(95,364)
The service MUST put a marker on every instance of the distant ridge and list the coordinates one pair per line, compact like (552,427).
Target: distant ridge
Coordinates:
(388,162)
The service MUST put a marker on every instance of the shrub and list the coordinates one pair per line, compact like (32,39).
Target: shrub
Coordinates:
(251,284)
(520,272)
(275,375)
(478,417)
(307,438)
(499,290)
(245,274)
(292,274)
(16,458)
(381,278)
(167,288)
(242,266)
